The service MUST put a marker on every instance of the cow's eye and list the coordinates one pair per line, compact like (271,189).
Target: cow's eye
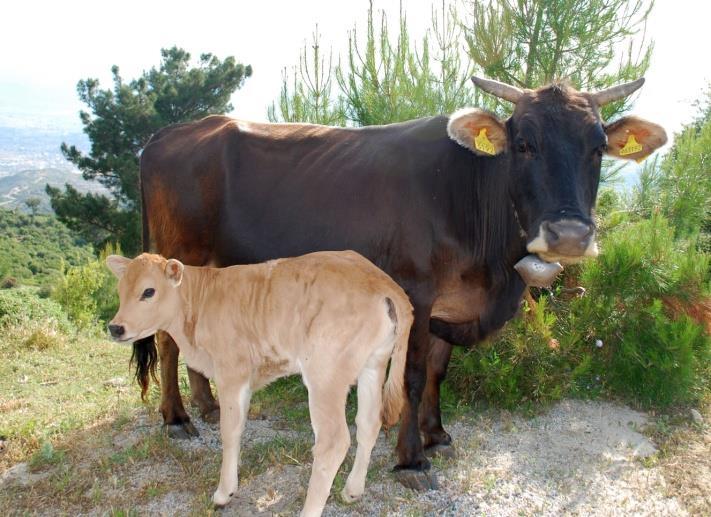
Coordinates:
(524,147)
(148,293)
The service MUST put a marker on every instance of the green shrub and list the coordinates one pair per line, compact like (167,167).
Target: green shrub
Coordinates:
(622,338)
(88,292)
(523,363)
(42,339)
(22,306)
(648,355)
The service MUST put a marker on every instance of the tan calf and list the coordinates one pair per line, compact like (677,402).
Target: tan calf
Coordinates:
(333,317)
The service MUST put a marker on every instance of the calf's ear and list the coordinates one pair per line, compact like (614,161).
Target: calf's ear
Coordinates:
(477,130)
(633,138)
(117,264)
(174,272)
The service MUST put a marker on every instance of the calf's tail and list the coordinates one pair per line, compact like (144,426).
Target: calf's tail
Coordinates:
(394,389)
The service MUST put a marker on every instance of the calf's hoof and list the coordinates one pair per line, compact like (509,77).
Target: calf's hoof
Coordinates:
(349,497)
(419,480)
(212,416)
(441,450)
(183,431)
(219,499)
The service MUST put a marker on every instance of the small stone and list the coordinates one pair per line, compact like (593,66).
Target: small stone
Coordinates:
(115,382)
(598,343)
(696,417)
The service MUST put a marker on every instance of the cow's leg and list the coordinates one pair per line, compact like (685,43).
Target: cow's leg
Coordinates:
(412,466)
(327,405)
(436,440)
(201,397)
(370,402)
(234,415)
(175,418)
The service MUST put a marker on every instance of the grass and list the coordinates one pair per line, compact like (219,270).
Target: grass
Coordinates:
(52,384)
(683,457)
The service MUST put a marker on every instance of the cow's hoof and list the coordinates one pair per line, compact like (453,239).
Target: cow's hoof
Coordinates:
(211,417)
(184,431)
(441,450)
(419,480)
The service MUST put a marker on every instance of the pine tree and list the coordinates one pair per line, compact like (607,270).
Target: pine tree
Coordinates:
(120,122)
(390,77)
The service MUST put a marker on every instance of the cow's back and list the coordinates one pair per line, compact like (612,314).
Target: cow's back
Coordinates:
(226,192)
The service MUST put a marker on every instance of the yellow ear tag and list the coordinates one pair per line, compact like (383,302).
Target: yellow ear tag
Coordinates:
(483,144)
(631,146)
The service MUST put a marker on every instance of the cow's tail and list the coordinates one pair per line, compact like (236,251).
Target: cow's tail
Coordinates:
(400,312)
(145,355)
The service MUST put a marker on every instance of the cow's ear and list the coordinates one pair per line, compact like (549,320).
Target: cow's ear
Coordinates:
(634,138)
(117,264)
(479,131)
(174,271)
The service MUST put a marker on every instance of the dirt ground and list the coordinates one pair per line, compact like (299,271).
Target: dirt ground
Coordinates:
(576,458)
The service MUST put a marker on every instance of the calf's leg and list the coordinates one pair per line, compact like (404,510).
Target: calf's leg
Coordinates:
(235,403)
(436,440)
(175,418)
(370,402)
(327,405)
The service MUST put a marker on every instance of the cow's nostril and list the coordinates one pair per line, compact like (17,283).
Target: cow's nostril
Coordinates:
(550,233)
(117,330)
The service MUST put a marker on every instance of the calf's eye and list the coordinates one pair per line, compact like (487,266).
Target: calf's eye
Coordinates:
(148,293)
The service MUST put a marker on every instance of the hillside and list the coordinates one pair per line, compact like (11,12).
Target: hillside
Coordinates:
(16,188)
(32,248)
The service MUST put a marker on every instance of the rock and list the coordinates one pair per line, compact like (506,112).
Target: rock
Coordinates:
(644,449)
(115,382)
(20,475)
(696,417)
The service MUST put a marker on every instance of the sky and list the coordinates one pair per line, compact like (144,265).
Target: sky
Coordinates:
(48,46)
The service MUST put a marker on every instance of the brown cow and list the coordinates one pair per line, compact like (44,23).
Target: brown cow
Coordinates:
(333,317)
(446,205)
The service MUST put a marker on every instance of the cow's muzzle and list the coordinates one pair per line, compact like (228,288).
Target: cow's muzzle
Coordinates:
(565,240)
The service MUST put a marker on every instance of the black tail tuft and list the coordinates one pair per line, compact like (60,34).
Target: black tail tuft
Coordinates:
(145,357)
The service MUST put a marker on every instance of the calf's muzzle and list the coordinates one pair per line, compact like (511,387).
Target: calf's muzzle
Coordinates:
(116,331)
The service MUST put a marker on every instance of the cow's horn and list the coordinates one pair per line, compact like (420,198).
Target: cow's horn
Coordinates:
(501,90)
(617,92)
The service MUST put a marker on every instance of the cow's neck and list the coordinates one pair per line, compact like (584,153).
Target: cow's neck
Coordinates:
(485,221)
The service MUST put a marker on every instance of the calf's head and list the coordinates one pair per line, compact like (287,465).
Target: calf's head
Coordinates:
(553,145)
(148,294)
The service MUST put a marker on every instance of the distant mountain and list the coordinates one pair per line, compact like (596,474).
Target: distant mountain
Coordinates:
(18,187)
(30,158)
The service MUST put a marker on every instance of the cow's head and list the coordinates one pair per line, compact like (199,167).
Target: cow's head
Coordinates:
(148,294)
(555,140)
